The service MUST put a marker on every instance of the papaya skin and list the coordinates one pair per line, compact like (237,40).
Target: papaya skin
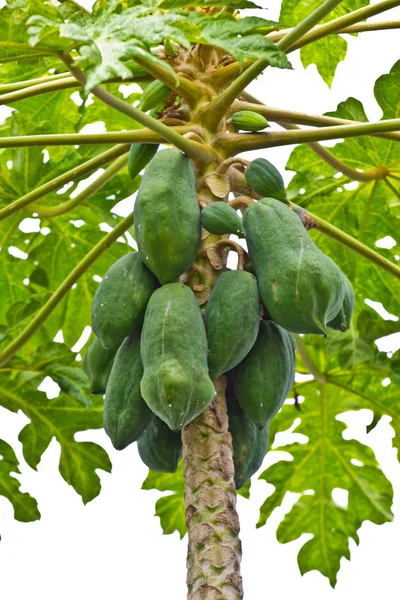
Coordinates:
(160,448)
(342,321)
(262,381)
(232,319)
(220,218)
(126,414)
(97,364)
(301,287)
(175,384)
(265,179)
(120,301)
(167,215)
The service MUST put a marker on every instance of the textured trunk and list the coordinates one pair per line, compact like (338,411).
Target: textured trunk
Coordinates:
(214,549)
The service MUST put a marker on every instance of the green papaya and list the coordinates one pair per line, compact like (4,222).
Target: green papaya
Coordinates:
(301,287)
(97,363)
(342,321)
(247,120)
(265,179)
(154,95)
(160,448)
(175,384)
(139,156)
(167,215)
(126,414)
(119,303)
(220,218)
(249,443)
(232,320)
(262,381)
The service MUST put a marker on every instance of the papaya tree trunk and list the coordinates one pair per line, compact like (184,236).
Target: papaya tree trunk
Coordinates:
(214,548)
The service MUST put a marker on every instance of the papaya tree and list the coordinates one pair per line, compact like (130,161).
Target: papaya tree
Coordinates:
(189,358)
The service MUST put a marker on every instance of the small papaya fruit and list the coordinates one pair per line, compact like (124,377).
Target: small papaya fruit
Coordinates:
(167,215)
(220,218)
(160,448)
(97,363)
(175,384)
(119,303)
(139,156)
(232,320)
(250,444)
(154,95)
(301,287)
(247,120)
(126,414)
(262,381)
(342,321)
(265,179)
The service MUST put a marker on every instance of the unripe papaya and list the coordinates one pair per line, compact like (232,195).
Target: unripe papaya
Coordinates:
(97,364)
(139,157)
(220,218)
(154,95)
(126,414)
(175,384)
(342,321)
(120,301)
(232,319)
(265,179)
(249,443)
(160,448)
(262,381)
(301,287)
(167,215)
(247,120)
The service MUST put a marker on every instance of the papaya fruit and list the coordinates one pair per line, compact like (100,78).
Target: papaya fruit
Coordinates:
(160,448)
(175,384)
(220,218)
(167,215)
(154,95)
(247,120)
(265,179)
(126,414)
(139,156)
(301,287)
(232,320)
(262,381)
(119,303)
(249,443)
(342,321)
(97,363)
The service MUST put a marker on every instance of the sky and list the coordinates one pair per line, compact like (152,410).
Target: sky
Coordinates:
(113,547)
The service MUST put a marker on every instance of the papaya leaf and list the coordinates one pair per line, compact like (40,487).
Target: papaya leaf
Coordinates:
(329,51)
(61,418)
(169,508)
(25,507)
(235,4)
(328,460)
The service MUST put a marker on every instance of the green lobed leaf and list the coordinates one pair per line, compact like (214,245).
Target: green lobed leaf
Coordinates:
(25,507)
(329,51)
(169,508)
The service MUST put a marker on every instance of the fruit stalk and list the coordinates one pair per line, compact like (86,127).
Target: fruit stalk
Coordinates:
(214,548)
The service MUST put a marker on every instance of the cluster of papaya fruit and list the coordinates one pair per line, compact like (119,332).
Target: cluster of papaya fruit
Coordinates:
(156,351)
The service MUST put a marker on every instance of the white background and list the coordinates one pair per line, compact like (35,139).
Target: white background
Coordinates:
(113,547)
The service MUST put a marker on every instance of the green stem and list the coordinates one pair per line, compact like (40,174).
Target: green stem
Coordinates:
(19,85)
(58,182)
(278,115)
(219,106)
(233,144)
(64,288)
(275,36)
(308,362)
(195,150)
(185,88)
(391,186)
(339,165)
(62,209)
(351,243)
(136,136)
(341,23)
